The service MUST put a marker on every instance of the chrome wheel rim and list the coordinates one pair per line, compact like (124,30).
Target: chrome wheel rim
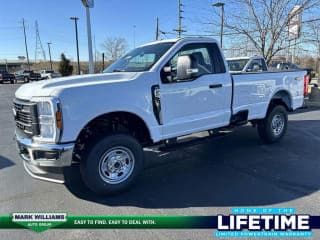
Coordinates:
(277,124)
(116,165)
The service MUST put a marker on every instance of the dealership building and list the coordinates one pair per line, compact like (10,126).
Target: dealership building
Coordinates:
(13,65)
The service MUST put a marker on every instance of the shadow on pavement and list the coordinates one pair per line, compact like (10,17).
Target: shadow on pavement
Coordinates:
(305,109)
(5,162)
(237,170)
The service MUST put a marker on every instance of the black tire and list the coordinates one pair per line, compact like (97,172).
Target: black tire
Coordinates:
(98,156)
(271,129)
(26,79)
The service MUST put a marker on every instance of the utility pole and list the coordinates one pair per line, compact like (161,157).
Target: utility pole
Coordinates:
(157,29)
(179,30)
(7,69)
(95,49)
(49,43)
(179,19)
(221,4)
(102,61)
(75,19)
(134,36)
(25,43)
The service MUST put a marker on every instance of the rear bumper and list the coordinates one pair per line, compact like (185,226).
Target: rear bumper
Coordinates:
(44,161)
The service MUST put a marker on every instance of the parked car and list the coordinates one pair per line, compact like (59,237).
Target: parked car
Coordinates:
(291,66)
(247,64)
(48,74)
(27,75)
(154,95)
(7,77)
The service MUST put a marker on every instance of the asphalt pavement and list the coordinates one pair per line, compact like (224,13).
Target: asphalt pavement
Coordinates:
(206,179)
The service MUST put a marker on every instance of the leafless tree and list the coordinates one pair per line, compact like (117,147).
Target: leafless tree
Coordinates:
(314,39)
(264,23)
(115,47)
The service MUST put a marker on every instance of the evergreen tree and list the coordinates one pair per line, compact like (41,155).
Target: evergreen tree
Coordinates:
(65,68)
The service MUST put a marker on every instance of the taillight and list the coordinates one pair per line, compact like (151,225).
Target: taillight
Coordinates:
(305,86)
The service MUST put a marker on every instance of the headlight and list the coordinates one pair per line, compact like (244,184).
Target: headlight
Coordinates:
(50,119)
(46,120)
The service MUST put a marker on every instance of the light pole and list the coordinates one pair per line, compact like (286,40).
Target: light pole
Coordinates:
(89,4)
(221,4)
(6,60)
(75,19)
(157,28)
(25,42)
(49,43)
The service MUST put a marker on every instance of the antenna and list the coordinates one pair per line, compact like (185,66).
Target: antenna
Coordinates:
(39,47)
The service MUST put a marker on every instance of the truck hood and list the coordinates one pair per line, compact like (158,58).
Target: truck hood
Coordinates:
(52,86)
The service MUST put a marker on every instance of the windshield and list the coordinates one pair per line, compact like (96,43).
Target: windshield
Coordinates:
(237,64)
(140,59)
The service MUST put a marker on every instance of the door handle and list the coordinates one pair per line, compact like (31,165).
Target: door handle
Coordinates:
(215,85)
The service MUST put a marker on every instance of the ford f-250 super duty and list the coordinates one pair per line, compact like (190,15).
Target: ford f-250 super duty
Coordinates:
(153,95)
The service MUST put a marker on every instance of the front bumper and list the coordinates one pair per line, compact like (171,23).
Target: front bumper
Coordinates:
(45,161)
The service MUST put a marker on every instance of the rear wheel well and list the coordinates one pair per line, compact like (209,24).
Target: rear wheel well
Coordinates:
(281,98)
(108,124)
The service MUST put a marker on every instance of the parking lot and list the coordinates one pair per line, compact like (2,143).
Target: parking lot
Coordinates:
(207,179)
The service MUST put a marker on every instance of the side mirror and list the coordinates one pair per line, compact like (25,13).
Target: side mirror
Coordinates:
(186,68)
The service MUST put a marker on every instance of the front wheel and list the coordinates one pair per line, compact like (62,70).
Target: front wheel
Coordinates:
(273,127)
(112,164)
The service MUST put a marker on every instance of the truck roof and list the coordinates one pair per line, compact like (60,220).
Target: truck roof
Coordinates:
(174,40)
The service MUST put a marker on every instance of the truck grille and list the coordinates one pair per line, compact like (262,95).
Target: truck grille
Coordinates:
(26,117)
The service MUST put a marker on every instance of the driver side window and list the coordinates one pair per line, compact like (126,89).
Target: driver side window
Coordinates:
(200,54)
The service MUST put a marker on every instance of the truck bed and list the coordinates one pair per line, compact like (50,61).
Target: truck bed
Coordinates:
(253,91)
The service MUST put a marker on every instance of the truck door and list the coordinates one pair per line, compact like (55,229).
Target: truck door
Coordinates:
(201,102)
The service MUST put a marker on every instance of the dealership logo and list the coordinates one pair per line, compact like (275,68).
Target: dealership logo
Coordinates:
(39,221)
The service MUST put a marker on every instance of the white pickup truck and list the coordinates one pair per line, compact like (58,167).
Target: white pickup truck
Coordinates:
(247,64)
(153,95)
(48,74)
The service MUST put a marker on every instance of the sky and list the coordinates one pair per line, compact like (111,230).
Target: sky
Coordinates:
(109,18)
